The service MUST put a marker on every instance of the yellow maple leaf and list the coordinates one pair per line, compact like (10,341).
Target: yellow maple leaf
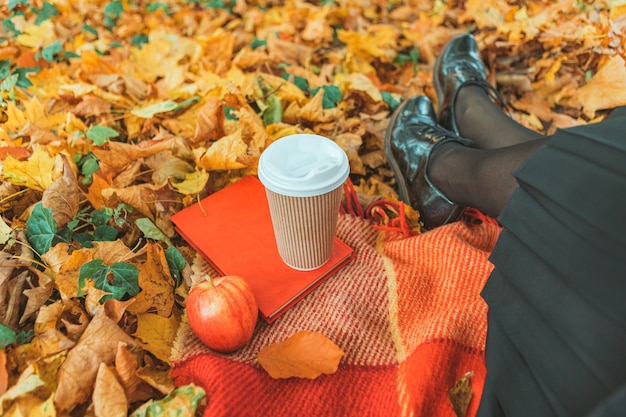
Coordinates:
(35,35)
(37,173)
(158,333)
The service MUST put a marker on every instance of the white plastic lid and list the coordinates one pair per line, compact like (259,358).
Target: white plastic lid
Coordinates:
(303,165)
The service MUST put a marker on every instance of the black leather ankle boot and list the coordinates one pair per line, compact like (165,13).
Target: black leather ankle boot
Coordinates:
(411,136)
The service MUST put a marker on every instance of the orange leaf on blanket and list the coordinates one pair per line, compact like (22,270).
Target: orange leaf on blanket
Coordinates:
(305,354)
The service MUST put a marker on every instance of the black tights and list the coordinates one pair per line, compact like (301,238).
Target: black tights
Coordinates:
(482,176)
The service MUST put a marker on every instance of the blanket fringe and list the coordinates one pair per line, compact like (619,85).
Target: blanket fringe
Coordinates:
(383,214)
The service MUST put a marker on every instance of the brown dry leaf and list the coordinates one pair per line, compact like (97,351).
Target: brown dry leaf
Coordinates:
(157,378)
(156,283)
(51,333)
(63,195)
(606,89)
(223,154)
(109,399)
(351,143)
(287,52)
(461,394)
(305,354)
(126,368)
(69,269)
(78,373)
(37,295)
(210,122)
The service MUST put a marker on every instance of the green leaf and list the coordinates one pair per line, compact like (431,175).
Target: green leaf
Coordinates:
(274,111)
(87,271)
(51,50)
(153,7)
(100,134)
(151,231)
(8,26)
(12,4)
(46,12)
(25,336)
(390,100)
(125,278)
(149,111)
(229,113)
(90,29)
(40,229)
(139,40)
(5,68)
(88,165)
(332,95)
(413,56)
(7,336)
(183,401)
(176,263)
(300,82)
(22,80)
(104,233)
(114,9)
(257,43)
(8,83)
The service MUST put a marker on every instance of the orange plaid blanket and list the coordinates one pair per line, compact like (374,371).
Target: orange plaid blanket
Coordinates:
(406,311)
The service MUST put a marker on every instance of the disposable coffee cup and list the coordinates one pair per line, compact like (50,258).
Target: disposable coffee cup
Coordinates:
(302,175)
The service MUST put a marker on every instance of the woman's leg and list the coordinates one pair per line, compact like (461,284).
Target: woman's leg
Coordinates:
(480,119)
(480,178)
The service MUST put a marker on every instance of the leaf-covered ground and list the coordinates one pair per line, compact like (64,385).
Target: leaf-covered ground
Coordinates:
(116,114)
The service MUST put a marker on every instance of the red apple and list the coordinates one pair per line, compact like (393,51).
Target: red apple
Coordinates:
(222,312)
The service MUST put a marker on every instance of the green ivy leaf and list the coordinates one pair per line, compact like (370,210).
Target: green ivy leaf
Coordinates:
(112,13)
(300,82)
(7,336)
(9,27)
(257,43)
(390,100)
(274,111)
(5,68)
(229,113)
(40,229)
(104,233)
(153,7)
(22,79)
(125,278)
(151,231)
(100,134)
(139,40)
(176,263)
(332,95)
(51,50)
(46,12)
(90,29)
(88,165)
(12,4)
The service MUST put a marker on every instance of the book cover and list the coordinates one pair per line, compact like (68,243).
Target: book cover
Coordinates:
(232,230)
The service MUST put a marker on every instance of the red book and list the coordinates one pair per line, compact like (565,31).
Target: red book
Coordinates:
(232,230)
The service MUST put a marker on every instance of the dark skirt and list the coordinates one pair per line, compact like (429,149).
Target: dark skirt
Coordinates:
(556,342)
